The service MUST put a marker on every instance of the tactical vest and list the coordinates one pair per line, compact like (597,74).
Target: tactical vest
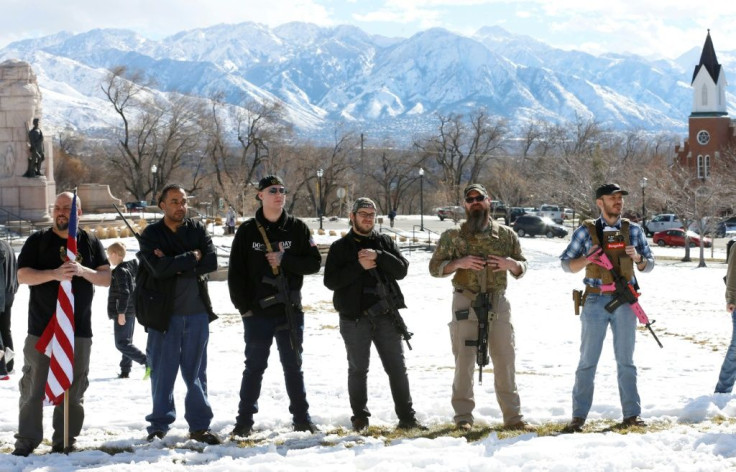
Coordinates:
(614,245)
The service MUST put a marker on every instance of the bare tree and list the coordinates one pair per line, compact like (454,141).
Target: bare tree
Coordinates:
(462,148)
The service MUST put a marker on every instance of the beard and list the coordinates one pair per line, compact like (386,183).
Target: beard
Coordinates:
(62,225)
(477,219)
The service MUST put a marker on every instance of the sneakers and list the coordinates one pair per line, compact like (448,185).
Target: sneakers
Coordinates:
(575,426)
(464,425)
(155,435)
(147,374)
(359,423)
(123,375)
(410,424)
(242,430)
(205,436)
(520,426)
(306,426)
(633,421)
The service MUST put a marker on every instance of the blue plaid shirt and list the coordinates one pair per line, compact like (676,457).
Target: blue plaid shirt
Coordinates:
(581,243)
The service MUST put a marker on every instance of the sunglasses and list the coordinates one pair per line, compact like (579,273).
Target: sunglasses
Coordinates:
(275,190)
(366,215)
(477,198)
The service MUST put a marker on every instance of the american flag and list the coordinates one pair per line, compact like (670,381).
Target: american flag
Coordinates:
(57,340)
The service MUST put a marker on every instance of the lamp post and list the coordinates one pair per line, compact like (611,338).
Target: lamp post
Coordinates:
(421,199)
(320,173)
(643,184)
(154,169)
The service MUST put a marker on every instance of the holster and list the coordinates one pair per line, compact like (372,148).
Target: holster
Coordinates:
(578,298)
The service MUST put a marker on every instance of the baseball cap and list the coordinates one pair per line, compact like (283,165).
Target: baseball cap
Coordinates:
(477,187)
(609,189)
(269,180)
(363,202)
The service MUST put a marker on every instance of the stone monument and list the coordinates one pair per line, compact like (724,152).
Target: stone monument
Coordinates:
(23,195)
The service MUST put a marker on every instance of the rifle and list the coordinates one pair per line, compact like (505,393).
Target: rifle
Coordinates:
(282,296)
(623,291)
(138,237)
(482,306)
(385,303)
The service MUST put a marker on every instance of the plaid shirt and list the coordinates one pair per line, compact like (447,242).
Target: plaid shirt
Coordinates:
(581,243)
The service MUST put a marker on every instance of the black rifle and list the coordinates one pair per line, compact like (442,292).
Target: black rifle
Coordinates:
(387,304)
(282,297)
(138,237)
(482,307)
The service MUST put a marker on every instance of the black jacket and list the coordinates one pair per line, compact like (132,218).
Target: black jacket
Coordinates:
(248,264)
(120,295)
(345,275)
(178,259)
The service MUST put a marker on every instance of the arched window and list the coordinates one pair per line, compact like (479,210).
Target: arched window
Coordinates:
(703,167)
(704,95)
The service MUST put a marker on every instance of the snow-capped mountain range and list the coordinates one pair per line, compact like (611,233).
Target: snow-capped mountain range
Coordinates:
(384,87)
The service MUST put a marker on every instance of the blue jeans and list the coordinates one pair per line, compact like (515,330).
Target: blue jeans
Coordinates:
(358,335)
(259,333)
(183,346)
(124,344)
(595,320)
(728,369)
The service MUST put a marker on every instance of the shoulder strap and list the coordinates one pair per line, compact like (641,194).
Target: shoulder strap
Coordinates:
(268,244)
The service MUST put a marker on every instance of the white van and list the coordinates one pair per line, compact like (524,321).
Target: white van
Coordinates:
(662,222)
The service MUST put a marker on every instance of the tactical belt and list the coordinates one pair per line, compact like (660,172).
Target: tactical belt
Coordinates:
(589,289)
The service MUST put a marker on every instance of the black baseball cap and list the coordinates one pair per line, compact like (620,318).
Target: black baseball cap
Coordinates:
(609,189)
(269,180)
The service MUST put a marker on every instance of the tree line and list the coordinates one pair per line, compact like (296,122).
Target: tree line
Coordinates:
(218,152)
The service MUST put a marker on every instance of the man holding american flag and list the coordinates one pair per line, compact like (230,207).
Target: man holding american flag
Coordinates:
(61,265)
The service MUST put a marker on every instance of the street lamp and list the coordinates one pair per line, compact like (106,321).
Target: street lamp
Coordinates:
(320,173)
(421,199)
(154,169)
(643,185)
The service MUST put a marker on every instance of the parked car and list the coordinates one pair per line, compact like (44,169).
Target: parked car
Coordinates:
(533,225)
(515,212)
(132,207)
(455,213)
(498,210)
(662,222)
(676,237)
(553,212)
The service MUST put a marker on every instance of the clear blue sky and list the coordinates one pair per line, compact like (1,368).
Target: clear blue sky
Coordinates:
(662,28)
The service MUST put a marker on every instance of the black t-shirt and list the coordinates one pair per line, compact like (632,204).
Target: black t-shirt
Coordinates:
(43,251)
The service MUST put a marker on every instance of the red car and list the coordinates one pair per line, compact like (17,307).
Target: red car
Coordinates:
(676,237)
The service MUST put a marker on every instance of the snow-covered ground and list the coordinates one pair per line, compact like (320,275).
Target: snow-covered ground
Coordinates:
(692,428)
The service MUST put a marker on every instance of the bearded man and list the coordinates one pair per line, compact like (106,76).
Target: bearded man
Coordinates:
(480,253)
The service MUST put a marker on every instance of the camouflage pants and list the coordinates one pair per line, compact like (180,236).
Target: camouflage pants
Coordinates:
(502,353)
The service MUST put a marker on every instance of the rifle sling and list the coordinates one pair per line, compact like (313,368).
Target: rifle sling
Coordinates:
(268,244)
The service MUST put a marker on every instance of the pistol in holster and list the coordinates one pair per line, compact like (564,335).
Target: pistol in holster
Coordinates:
(578,298)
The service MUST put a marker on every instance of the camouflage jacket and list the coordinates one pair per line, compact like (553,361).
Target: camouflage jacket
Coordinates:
(456,243)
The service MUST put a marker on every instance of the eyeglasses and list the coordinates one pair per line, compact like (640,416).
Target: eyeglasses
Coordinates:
(477,198)
(275,190)
(366,215)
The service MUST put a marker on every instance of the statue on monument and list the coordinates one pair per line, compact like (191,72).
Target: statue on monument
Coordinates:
(35,138)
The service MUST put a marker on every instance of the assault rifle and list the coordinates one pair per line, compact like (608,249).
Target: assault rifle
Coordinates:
(623,291)
(138,237)
(283,296)
(386,303)
(482,307)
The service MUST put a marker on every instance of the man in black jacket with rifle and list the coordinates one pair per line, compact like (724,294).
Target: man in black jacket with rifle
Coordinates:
(271,254)
(362,268)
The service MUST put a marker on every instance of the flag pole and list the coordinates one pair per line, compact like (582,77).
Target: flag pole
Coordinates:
(66,422)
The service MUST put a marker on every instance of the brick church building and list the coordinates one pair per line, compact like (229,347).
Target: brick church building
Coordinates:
(711,131)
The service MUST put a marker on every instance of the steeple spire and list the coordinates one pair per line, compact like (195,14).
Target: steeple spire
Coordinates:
(708,60)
